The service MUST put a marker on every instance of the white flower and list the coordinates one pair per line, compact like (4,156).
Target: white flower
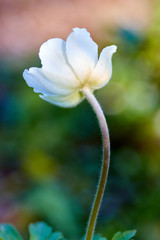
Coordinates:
(68,67)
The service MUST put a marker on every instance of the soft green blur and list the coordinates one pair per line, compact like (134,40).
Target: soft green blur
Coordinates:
(50,157)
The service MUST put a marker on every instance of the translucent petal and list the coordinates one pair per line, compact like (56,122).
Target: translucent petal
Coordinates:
(64,101)
(35,78)
(54,63)
(103,70)
(82,53)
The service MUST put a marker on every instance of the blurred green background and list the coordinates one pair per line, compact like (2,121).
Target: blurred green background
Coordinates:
(50,157)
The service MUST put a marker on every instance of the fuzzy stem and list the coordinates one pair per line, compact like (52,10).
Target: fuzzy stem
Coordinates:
(105,162)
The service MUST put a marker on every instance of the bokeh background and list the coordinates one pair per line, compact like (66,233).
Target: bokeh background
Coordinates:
(49,156)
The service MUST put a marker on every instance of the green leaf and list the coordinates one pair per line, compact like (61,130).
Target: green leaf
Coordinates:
(41,231)
(116,236)
(56,236)
(127,235)
(8,232)
(96,237)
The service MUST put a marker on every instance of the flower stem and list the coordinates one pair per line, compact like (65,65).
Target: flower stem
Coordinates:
(105,163)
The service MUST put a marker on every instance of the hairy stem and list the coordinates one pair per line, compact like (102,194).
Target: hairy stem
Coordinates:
(105,162)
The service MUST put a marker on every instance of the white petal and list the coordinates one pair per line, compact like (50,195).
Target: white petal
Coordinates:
(41,84)
(54,63)
(82,53)
(64,101)
(103,70)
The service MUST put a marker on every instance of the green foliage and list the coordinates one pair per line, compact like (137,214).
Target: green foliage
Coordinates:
(8,232)
(99,237)
(127,235)
(51,195)
(41,231)
(38,231)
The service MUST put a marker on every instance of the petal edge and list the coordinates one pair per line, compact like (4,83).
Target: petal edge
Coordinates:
(64,101)
(103,70)
(82,53)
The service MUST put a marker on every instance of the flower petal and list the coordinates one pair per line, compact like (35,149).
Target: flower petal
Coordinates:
(64,101)
(35,78)
(54,63)
(82,53)
(103,70)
